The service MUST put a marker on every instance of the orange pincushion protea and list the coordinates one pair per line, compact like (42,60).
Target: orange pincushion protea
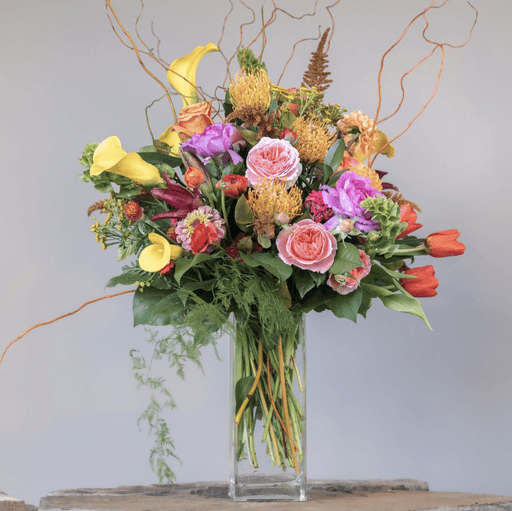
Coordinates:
(133,211)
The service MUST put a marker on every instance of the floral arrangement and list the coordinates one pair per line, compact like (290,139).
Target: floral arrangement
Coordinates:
(262,205)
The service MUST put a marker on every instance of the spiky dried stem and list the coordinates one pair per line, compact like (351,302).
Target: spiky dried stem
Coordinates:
(316,74)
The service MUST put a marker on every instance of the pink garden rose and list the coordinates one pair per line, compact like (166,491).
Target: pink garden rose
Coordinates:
(272,159)
(307,245)
(343,284)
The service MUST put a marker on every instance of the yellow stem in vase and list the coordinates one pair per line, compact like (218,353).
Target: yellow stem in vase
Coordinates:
(254,385)
(285,405)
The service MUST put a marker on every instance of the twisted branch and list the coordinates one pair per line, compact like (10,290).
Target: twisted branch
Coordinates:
(61,317)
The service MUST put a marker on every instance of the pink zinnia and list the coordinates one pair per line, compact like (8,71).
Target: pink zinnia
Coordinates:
(202,215)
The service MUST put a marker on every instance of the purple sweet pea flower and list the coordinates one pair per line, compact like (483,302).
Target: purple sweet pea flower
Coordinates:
(351,189)
(215,140)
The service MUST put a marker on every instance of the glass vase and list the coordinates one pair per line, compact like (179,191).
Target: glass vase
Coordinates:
(268,415)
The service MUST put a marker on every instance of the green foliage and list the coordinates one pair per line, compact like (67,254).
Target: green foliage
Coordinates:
(177,349)
(159,158)
(242,388)
(87,154)
(347,258)
(131,274)
(332,113)
(272,264)
(248,62)
(400,302)
(333,159)
(346,306)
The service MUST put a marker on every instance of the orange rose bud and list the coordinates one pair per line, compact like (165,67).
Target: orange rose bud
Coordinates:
(193,177)
(425,283)
(444,244)
(233,185)
(407,214)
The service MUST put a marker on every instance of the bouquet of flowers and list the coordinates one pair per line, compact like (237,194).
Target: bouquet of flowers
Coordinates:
(266,211)
(248,212)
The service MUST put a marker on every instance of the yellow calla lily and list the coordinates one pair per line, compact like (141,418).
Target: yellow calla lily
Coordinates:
(111,157)
(186,67)
(172,139)
(159,254)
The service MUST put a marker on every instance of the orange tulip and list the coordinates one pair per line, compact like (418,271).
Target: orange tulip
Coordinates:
(444,244)
(407,214)
(425,283)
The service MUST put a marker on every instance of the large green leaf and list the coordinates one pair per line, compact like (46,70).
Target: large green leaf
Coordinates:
(397,301)
(242,388)
(318,277)
(166,311)
(333,159)
(304,282)
(317,299)
(244,216)
(366,303)
(155,158)
(127,279)
(272,264)
(184,264)
(144,304)
(347,306)
(347,258)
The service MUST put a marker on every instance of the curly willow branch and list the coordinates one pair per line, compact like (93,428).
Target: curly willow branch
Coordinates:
(441,68)
(228,75)
(293,52)
(61,317)
(333,24)
(108,6)
(272,18)
(138,51)
(137,26)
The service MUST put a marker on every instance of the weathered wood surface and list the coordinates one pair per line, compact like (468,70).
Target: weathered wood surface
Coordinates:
(325,495)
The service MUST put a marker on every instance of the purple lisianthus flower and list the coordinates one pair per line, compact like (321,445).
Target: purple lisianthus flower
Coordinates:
(215,140)
(351,189)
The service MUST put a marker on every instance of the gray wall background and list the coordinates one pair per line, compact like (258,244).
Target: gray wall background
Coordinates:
(387,398)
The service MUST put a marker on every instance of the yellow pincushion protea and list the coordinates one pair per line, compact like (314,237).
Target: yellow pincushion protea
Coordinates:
(365,171)
(158,255)
(250,89)
(314,139)
(270,198)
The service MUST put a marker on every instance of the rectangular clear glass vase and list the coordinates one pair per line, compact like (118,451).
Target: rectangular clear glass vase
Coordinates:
(267,424)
